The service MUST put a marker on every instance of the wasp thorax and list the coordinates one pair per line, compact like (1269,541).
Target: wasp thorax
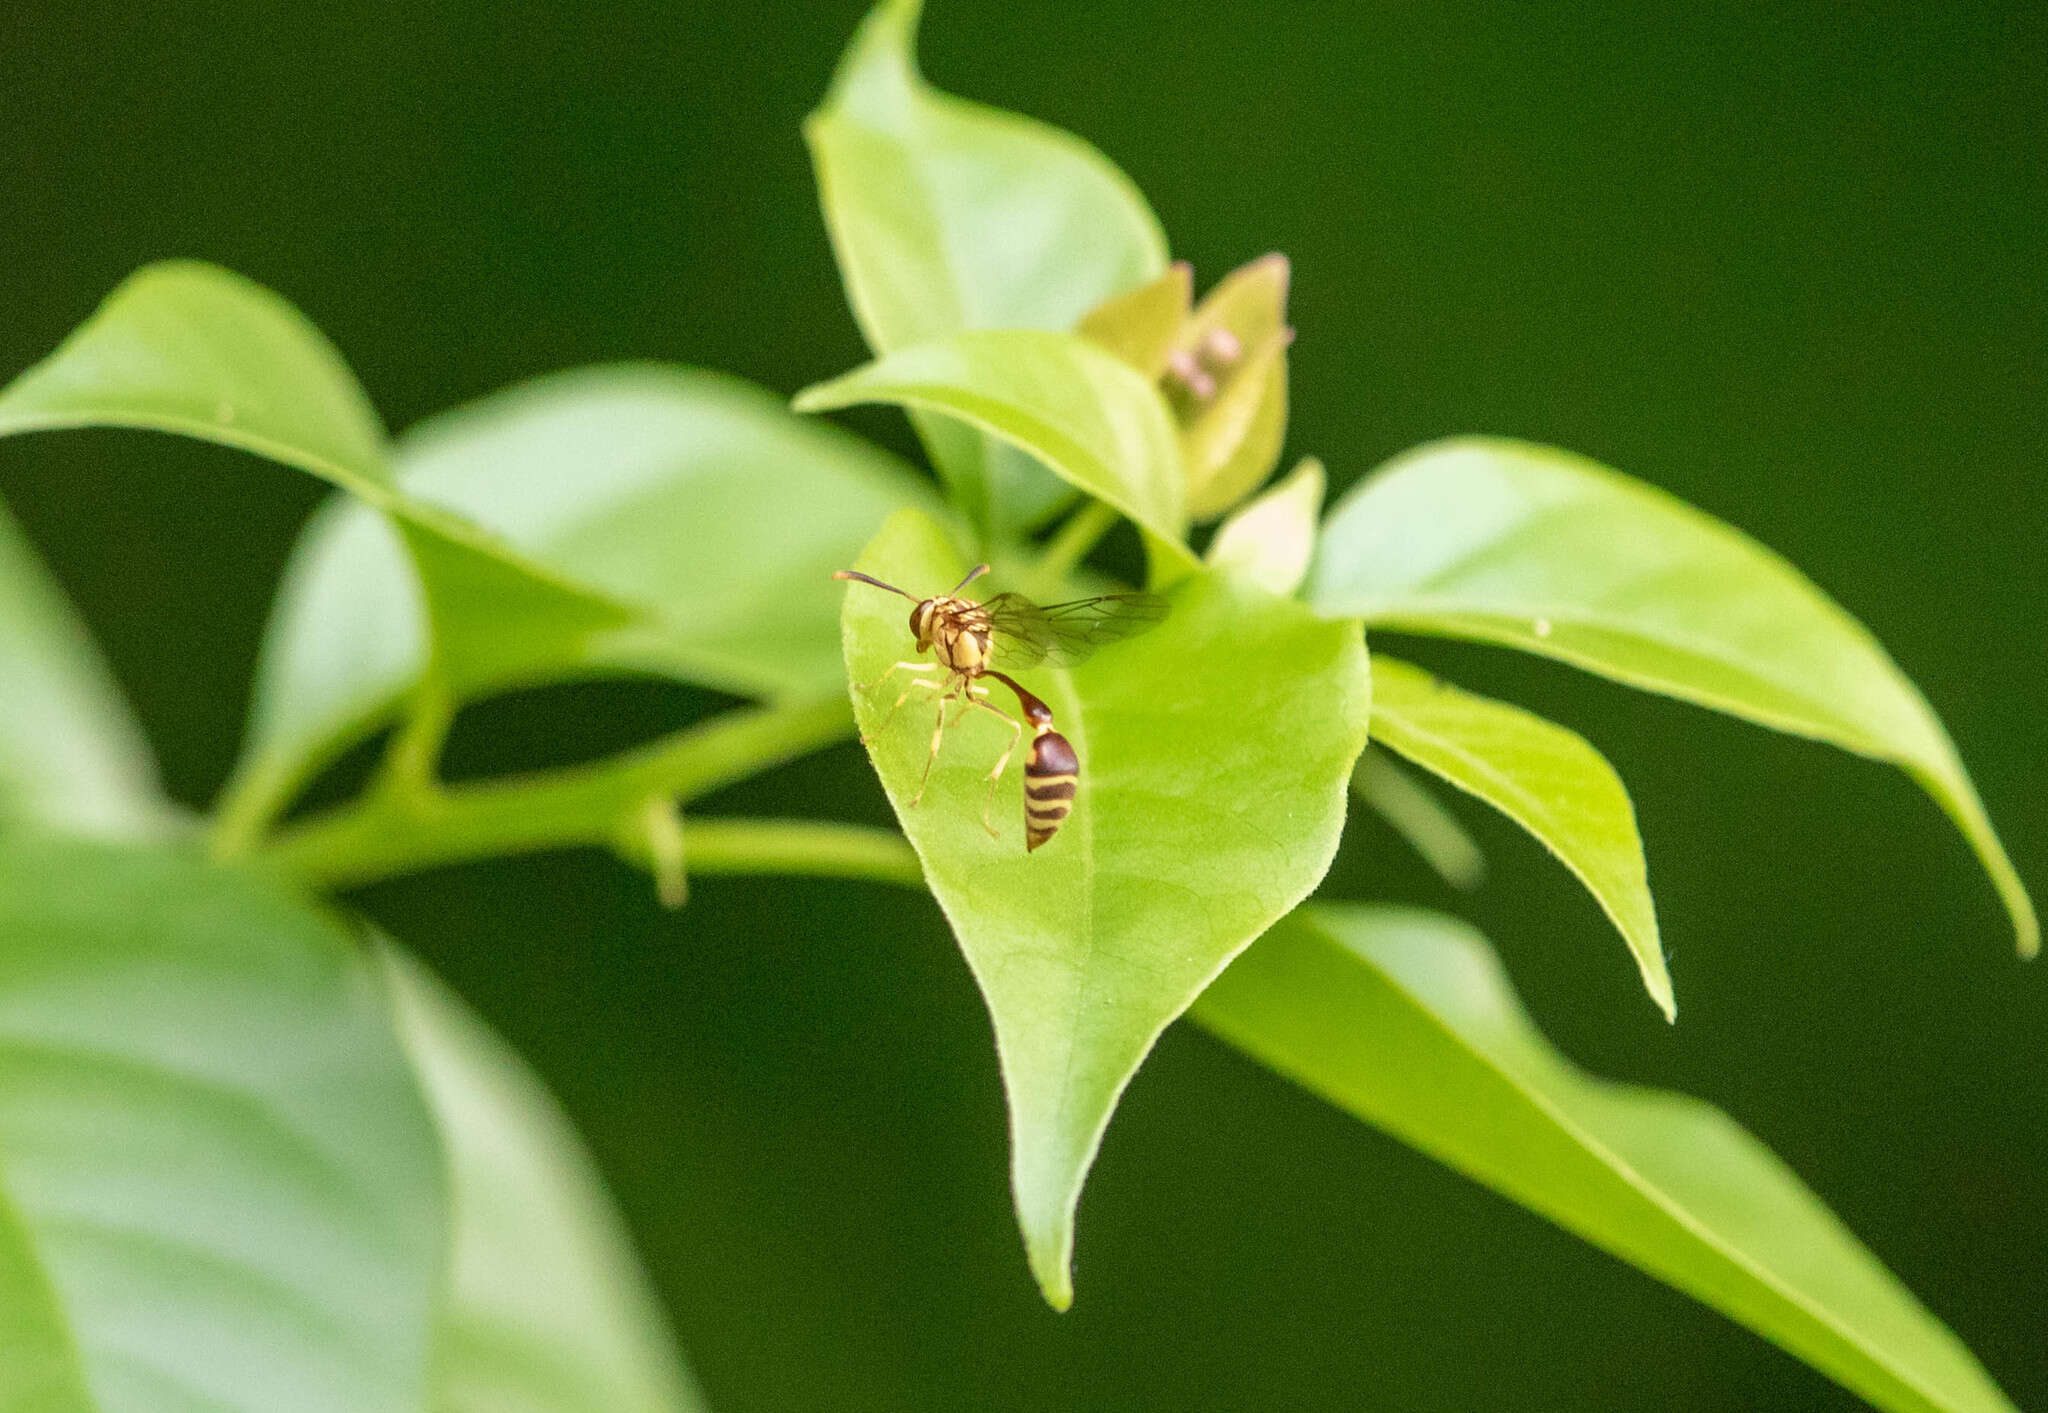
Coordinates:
(958,644)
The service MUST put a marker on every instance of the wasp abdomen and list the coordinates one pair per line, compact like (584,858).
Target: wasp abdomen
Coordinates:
(1050,778)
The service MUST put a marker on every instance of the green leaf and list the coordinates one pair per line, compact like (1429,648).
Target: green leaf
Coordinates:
(188,348)
(70,754)
(1270,541)
(1214,753)
(1080,410)
(546,1309)
(1543,777)
(694,498)
(218,1186)
(1537,549)
(1229,377)
(1142,326)
(1406,1020)
(1408,807)
(946,215)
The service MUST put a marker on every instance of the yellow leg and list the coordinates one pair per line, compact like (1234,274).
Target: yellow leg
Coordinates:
(904,666)
(890,715)
(1016,735)
(938,735)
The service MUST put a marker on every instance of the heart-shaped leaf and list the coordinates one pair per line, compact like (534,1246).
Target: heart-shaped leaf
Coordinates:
(70,754)
(545,1309)
(946,215)
(611,477)
(218,1186)
(1078,408)
(1543,777)
(1213,758)
(1406,1020)
(1538,549)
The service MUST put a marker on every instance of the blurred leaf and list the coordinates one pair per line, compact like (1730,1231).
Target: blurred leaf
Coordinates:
(1080,410)
(1229,377)
(1270,541)
(70,754)
(547,1310)
(191,349)
(1141,326)
(1214,753)
(1545,778)
(187,347)
(1538,549)
(218,1186)
(695,498)
(1406,1020)
(1414,813)
(946,215)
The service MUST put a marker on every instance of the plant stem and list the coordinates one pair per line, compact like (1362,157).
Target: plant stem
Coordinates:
(800,846)
(1071,543)
(392,833)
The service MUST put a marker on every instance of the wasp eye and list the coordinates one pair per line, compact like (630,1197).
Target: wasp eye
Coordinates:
(918,617)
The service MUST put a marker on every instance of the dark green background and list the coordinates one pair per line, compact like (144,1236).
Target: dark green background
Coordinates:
(1788,265)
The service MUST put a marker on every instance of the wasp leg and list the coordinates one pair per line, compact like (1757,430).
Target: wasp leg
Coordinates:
(904,666)
(938,735)
(994,776)
(926,683)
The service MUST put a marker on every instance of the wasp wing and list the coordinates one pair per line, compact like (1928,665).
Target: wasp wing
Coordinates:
(1063,634)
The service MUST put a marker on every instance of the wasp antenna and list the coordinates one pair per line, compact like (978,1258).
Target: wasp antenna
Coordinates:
(972,575)
(856,574)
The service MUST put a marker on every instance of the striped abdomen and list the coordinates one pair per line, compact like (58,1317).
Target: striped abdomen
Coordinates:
(1050,777)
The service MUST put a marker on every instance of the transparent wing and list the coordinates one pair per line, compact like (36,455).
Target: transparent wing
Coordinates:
(1062,634)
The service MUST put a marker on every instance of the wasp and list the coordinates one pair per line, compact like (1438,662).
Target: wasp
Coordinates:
(963,637)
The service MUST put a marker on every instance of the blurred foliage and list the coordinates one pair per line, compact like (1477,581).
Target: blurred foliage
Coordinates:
(1786,266)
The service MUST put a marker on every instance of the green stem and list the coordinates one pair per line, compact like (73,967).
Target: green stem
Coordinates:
(1071,543)
(267,780)
(385,834)
(799,846)
(412,763)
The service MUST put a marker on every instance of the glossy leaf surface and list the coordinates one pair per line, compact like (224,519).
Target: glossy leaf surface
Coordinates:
(546,1309)
(1214,752)
(70,754)
(1538,549)
(1545,778)
(218,1186)
(946,215)
(1406,1020)
(1082,411)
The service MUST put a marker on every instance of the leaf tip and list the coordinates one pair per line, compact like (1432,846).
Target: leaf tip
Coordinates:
(815,398)
(1050,1268)
(1657,981)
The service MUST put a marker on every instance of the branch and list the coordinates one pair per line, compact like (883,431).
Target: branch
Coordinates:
(393,832)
